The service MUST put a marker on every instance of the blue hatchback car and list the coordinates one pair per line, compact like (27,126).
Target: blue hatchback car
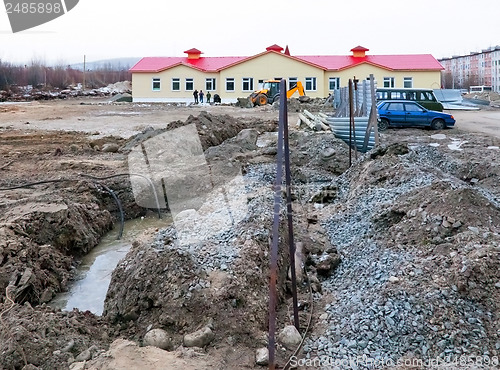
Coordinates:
(408,113)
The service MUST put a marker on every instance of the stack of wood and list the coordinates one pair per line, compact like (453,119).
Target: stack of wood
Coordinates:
(316,122)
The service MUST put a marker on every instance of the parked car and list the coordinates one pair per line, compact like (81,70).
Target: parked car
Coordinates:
(408,113)
(425,97)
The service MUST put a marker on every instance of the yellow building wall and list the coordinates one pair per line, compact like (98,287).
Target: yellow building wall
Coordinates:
(421,79)
(266,67)
(142,85)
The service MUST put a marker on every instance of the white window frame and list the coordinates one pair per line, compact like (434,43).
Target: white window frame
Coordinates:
(229,80)
(248,81)
(187,81)
(389,82)
(408,82)
(311,84)
(178,81)
(292,82)
(156,80)
(335,81)
(210,84)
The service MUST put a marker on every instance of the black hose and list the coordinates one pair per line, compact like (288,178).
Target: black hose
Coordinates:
(36,183)
(130,174)
(122,217)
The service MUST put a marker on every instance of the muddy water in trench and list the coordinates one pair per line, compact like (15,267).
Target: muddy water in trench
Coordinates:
(93,276)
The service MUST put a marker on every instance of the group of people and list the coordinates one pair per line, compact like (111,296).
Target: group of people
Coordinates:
(198,97)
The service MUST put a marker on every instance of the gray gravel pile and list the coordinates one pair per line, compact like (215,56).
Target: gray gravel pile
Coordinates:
(218,250)
(387,304)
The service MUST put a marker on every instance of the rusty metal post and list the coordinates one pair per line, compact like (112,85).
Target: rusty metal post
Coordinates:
(289,211)
(275,239)
(356,93)
(351,120)
(283,153)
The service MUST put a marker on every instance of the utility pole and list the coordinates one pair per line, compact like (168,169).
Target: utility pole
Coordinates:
(84,69)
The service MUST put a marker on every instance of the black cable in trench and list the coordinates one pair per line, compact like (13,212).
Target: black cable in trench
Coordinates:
(119,204)
(158,208)
(122,217)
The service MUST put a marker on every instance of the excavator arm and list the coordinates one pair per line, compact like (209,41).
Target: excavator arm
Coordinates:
(299,87)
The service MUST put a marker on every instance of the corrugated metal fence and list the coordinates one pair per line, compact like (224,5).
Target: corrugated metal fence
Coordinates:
(355,120)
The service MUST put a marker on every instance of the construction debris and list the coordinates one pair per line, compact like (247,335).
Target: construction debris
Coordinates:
(314,122)
(401,251)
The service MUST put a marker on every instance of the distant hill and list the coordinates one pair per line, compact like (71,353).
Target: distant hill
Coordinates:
(115,63)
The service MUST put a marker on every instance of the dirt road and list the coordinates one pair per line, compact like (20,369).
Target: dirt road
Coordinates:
(484,121)
(99,118)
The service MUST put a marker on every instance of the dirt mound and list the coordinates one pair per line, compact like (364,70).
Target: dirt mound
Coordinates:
(46,338)
(125,354)
(212,129)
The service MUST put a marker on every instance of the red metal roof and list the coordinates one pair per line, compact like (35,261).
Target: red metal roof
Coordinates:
(157,64)
(415,62)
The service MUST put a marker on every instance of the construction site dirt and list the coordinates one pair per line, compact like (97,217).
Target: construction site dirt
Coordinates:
(399,254)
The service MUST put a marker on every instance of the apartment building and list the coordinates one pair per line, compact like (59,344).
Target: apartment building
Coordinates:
(476,69)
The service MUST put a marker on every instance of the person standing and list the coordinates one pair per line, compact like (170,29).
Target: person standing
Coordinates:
(202,94)
(195,94)
(208,97)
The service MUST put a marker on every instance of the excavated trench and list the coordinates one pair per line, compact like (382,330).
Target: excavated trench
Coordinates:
(93,275)
(49,229)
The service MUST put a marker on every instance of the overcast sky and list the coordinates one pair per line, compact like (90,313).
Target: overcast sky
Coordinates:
(102,29)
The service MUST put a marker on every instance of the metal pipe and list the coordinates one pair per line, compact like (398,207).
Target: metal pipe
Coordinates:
(275,236)
(351,119)
(289,211)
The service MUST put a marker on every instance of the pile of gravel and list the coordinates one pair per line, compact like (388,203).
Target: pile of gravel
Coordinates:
(385,305)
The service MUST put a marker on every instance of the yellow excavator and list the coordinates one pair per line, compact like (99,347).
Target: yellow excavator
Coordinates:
(270,92)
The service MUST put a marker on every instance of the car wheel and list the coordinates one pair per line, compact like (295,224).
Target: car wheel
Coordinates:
(383,124)
(437,124)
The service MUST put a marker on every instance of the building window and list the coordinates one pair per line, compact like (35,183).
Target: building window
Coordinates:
(292,82)
(388,81)
(156,84)
(310,83)
(189,84)
(333,83)
(229,84)
(210,84)
(247,84)
(176,84)
(408,82)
